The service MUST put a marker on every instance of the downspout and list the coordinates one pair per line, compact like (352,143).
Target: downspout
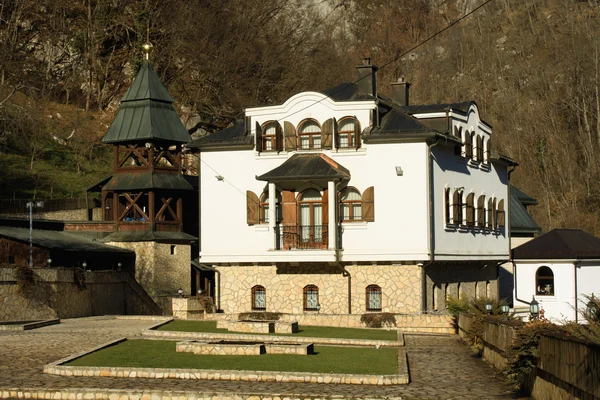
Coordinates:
(575,264)
(431,238)
(338,249)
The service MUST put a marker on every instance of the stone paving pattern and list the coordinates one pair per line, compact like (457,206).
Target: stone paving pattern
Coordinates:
(441,367)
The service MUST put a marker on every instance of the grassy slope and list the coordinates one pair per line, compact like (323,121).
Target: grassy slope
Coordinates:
(162,354)
(305,331)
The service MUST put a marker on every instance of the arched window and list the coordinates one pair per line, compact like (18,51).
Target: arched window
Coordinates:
(310,207)
(486,149)
(271,136)
(259,298)
(373,293)
(544,282)
(468,144)
(309,135)
(491,212)
(481,211)
(479,148)
(470,209)
(346,129)
(311,298)
(457,207)
(350,205)
(457,131)
(264,207)
(500,220)
(447,204)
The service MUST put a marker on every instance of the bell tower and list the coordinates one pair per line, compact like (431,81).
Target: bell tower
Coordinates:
(145,196)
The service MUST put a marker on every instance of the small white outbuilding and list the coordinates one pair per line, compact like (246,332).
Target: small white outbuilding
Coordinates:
(560,269)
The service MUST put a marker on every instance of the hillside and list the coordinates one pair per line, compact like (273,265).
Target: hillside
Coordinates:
(531,65)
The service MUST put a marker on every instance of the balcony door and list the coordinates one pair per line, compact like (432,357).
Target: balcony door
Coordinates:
(310,208)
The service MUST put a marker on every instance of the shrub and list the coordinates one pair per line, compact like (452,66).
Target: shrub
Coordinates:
(457,306)
(378,320)
(79,278)
(25,279)
(591,314)
(259,316)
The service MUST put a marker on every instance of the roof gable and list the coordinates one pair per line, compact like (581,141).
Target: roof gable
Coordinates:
(306,166)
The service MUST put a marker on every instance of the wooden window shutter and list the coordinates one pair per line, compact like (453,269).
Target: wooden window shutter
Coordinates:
(325,200)
(471,209)
(278,136)
(247,125)
(501,219)
(289,133)
(357,135)
(336,134)
(288,208)
(252,208)
(258,135)
(327,133)
(368,204)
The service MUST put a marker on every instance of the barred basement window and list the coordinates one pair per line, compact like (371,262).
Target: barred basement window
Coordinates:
(311,298)
(373,298)
(259,298)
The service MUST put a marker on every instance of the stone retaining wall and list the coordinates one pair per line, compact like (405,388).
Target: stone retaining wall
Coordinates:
(55,368)
(57,293)
(419,323)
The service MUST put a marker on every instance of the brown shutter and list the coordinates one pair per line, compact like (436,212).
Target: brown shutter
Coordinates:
(368,204)
(325,200)
(252,208)
(289,133)
(501,218)
(336,134)
(357,138)
(258,135)
(288,208)
(327,133)
(278,136)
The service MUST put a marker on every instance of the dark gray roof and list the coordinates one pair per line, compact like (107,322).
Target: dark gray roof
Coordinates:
(523,197)
(306,166)
(346,92)
(234,135)
(520,220)
(430,108)
(59,240)
(148,180)
(146,113)
(150,236)
(572,244)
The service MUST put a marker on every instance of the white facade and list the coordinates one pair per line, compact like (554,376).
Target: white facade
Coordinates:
(565,298)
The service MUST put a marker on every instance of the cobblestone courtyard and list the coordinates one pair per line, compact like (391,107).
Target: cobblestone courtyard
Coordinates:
(441,367)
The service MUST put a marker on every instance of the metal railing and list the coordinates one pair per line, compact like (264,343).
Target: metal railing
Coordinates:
(302,237)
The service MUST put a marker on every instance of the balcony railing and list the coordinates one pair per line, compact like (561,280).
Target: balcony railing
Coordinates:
(302,237)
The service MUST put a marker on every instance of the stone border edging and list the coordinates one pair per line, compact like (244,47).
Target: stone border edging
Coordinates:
(164,319)
(151,333)
(140,394)
(55,368)
(29,325)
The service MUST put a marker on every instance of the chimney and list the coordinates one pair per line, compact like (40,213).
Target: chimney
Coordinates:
(400,92)
(367,78)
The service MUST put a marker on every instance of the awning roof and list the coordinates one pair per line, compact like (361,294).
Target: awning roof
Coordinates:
(572,244)
(302,167)
(147,180)
(150,236)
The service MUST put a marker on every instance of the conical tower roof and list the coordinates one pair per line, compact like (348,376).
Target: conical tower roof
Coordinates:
(147,113)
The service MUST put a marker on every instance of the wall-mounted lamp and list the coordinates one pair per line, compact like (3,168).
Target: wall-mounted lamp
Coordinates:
(49,262)
(399,171)
(180,292)
(119,265)
(84,264)
(220,178)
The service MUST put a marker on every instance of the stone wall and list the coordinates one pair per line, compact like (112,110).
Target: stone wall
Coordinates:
(56,293)
(161,268)
(453,279)
(400,286)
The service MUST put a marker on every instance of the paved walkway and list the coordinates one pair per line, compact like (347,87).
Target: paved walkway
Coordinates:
(441,367)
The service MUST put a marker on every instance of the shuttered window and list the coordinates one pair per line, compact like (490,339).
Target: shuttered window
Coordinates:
(350,205)
(309,135)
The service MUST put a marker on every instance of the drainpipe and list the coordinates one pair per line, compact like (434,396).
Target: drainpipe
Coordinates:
(575,265)
(431,227)
(338,249)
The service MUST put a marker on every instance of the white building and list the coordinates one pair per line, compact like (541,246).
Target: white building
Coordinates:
(559,268)
(378,205)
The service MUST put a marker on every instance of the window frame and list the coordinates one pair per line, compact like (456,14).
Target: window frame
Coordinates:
(255,289)
(272,138)
(263,208)
(311,135)
(310,289)
(375,290)
(468,144)
(480,218)
(351,137)
(538,277)
(457,207)
(351,204)
(447,206)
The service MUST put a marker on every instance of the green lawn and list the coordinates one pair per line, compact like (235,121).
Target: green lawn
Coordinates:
(305,331)
(162,354)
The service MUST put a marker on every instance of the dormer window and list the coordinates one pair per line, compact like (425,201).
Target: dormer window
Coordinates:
(269,136)
(309,135)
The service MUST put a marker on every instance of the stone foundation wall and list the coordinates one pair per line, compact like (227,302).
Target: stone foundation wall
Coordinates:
(56,293)
(161,268)
(453,279)
(400,286)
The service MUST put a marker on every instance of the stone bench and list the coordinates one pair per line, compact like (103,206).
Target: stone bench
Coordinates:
(258,326)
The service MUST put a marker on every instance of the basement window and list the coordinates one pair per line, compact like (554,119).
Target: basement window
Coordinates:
(173,250)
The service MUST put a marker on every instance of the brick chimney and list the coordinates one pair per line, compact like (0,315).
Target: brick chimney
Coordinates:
(367,78)
(400,91)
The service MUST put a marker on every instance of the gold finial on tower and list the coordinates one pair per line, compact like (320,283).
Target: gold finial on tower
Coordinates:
(146,47)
